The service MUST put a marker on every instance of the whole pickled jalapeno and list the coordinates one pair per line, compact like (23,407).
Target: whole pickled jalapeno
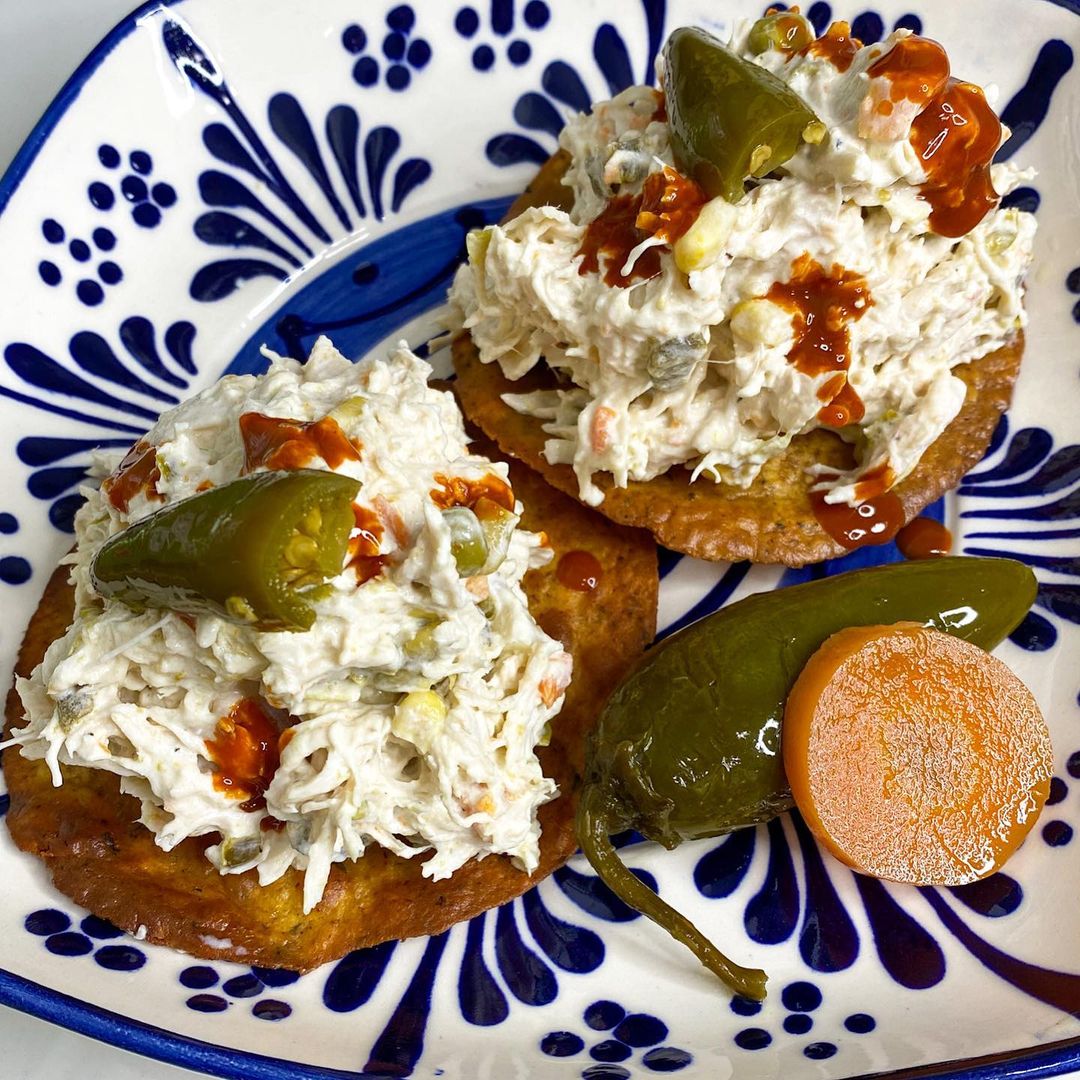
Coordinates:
(251,551)
(730,119)
(688,746)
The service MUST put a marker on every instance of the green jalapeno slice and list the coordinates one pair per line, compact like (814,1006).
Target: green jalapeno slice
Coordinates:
(251,551)
(730,118)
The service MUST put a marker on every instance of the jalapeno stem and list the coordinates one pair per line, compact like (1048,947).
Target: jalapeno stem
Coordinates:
(594,826)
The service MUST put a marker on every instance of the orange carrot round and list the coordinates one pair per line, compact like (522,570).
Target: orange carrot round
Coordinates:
(915,756)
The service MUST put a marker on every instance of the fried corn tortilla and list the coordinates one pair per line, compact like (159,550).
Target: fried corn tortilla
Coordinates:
(771,521)
(89,837)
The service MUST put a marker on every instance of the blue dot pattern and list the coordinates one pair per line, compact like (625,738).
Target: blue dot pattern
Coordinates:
(819,1051)
(744,1006)
(14,570)
(207,1003)
(120,957)
(243,986)
(860,1023)
(99,928)
(69,944)
(403,53)
(610,1050)
(198,978)
(632,1031)
(801,997)
(798,1024)
(604,1015)
(8,524)
(276,977)
(1057,833)
(518,51)
(753,1039)
(666,1059)
(561,1044)
(270,1009)
(640,1029)
(45,922)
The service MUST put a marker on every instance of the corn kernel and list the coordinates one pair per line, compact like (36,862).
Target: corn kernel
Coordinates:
(418,718)
(761,322)
(703,243)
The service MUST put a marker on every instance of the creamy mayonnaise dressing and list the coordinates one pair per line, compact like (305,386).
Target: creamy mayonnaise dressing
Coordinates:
(694,365)
(411,708)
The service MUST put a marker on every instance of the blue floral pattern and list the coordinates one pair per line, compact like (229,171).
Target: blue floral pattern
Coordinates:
(485,35)
(404,52)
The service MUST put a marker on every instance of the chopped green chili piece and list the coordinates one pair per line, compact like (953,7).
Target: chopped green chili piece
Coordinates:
(730,119)
(252,551)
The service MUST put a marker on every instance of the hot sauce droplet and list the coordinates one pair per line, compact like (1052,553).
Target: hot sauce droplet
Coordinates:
(245,749)
(917,69)
(579,570)
(274,442)
(924,538)
(365,549)
(457,491)
(823,305)
(836,45)
(138,473)
(844,405)
(668,205)
(876,519)
(956,137)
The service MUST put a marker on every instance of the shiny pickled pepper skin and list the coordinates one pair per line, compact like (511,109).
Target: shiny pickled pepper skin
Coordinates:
(703,710)
(249,551)
(729,118)
(688,745)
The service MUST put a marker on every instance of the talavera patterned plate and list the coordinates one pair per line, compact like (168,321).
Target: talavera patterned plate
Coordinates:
(217,176)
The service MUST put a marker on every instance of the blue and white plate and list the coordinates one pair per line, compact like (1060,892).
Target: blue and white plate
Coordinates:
(217,176)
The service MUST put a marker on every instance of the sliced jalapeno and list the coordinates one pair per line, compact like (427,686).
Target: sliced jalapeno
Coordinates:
(730,119)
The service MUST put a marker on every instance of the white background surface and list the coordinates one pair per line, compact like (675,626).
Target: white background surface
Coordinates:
(41,44)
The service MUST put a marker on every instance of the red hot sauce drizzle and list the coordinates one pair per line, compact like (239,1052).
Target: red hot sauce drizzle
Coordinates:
(666,208)
(836,45)
(875,520)
(274,442)
(916,67)
(137,474)
(457,491)
(365,549)
(924,538)
(823,305)
(579,570)
(956,133)
(246,748)
(956,137)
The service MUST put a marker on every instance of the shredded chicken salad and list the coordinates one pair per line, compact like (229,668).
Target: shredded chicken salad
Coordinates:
(689,352)
(406,716)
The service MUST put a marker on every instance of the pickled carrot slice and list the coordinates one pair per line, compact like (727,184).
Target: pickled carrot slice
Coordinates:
(915,756)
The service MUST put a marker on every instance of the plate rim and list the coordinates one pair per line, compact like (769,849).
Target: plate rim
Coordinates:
(214,1059)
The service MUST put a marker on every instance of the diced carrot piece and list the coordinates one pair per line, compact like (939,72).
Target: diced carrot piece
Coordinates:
(600,429)
(915,756)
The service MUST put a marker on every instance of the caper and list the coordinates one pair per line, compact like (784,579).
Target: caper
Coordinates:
(236,851)
(669,363)
(498,525)
(72,707)
(467,542)
(787,31)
